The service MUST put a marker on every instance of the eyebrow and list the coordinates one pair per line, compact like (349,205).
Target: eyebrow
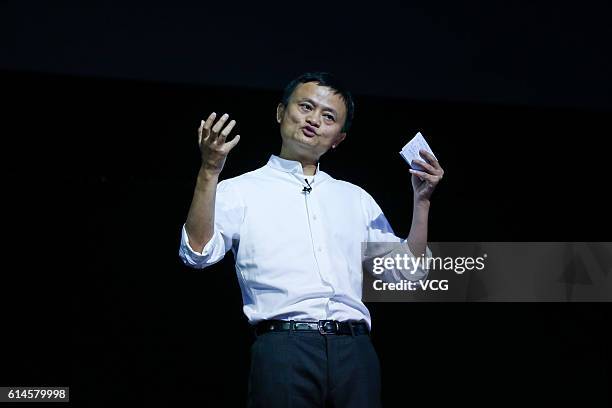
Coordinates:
(332,110)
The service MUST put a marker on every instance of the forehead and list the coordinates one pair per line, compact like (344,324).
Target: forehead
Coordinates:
(321,95)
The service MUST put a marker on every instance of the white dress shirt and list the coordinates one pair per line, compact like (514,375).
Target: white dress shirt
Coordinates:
(298,254)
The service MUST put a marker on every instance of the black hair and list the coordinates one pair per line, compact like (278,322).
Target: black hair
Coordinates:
(324,79)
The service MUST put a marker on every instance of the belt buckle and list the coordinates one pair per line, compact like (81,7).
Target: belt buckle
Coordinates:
(323,327)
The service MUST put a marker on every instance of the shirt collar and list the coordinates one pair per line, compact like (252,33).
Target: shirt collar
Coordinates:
(288,166)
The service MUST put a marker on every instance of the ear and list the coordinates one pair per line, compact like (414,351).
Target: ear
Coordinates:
(339,139)
(280,110)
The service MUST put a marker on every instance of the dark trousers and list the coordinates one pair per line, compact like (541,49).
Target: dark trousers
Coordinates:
(305,369)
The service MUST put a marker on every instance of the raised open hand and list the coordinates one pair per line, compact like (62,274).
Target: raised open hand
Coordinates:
(213,146)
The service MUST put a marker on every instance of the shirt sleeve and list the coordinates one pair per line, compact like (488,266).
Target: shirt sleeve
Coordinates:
(380,240)
(229,214)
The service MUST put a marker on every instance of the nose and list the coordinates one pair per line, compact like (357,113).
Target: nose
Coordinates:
(313,119)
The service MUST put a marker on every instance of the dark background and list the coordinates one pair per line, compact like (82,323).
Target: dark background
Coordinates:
(100,115)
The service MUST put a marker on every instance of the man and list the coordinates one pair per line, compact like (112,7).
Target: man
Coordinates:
(296,235)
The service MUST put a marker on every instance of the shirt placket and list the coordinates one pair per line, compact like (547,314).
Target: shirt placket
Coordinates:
(318,238)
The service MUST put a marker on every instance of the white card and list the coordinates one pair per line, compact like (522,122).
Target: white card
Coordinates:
(411,151)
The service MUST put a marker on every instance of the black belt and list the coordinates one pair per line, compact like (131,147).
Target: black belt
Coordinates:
(322,326)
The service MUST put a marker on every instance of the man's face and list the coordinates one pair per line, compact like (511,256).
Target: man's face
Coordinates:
(312,120)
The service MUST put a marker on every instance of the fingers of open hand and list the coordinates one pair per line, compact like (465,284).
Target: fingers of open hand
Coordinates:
(216,133)
(209,121)
(226,131)
(204,129)
(216,129)
(230,145)
(212,136)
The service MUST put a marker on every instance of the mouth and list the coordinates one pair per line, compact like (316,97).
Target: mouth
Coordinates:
(309,131)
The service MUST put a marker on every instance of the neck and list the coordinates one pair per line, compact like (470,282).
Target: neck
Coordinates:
(309,165)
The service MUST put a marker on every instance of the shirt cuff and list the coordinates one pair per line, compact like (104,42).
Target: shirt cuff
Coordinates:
(202,259)
(422,270)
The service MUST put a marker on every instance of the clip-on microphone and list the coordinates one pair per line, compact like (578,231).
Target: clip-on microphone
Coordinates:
(307,189)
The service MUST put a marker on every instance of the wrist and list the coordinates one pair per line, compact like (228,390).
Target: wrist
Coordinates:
(206,175)
(422,203)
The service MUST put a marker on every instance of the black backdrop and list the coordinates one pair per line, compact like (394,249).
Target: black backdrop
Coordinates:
(102,182)
(98,175)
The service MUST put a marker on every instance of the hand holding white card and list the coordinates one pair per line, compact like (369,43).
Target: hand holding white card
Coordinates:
(411,151)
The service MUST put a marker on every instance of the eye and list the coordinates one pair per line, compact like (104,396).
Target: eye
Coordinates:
(305,106)
(330,117)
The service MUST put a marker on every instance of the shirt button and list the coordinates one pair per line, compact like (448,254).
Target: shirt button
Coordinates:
(319,249)
(314,217)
